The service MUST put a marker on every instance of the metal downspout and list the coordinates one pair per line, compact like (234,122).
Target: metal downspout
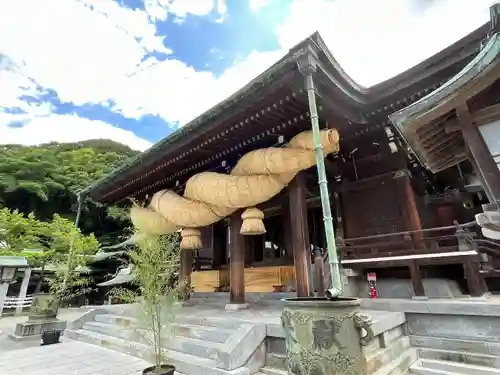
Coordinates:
(336,289)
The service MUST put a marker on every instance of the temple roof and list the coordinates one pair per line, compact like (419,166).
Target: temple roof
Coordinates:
(279,87)
(429,125)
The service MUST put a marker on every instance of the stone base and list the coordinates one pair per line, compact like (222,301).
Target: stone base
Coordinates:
(236,306)
(25,339)
(35,328)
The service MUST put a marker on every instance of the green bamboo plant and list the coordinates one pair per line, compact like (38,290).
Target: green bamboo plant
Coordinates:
(156,266)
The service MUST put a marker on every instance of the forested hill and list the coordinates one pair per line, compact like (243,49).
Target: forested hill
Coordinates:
(44,179)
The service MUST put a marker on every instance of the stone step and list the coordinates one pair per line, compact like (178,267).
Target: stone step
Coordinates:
(418,370)
(430,366)
(241,339)
(460,356)
(276,361)
(223,323)
(469,346)
(399,365)
(184,363)
(213,334)
(195,347)
(272,371)
(379,358)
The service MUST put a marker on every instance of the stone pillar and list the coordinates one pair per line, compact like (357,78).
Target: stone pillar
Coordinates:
(24,289)
(237,244)
(301,246)
(4,287)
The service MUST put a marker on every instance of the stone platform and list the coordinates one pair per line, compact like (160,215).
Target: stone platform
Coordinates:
(459,336)
(211,340)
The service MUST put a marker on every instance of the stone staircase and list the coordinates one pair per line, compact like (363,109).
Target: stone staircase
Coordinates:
(390,352)
(207,342)
(441,356)
(201,346)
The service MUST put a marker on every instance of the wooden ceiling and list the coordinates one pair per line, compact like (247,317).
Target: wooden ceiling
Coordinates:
(432,126)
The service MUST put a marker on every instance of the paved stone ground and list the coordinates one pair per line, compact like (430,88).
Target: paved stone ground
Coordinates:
(8,324)
(69,358)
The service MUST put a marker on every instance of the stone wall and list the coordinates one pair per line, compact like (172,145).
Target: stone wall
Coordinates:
(462,327)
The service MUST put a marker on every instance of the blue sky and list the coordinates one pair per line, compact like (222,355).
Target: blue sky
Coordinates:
(134,71)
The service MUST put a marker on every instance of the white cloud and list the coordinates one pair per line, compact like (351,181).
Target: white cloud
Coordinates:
(160,9)
(375,40)
(96,54)
(373,45)
(135,23)
(258,4)
(64,128)
(77,52)
(185,93)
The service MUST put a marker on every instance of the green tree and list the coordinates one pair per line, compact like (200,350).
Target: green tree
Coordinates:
(45,179)
(71,250)
(156,266)
(57,242)
(19,232)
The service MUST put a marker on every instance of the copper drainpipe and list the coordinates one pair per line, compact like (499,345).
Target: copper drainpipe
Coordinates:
(336,289)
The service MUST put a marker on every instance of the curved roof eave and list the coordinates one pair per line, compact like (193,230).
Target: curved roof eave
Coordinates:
(194,125)
(407,116)
(382,89)
(440,101)
(353,93)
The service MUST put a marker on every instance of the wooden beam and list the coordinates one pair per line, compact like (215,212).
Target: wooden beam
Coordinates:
(237,245)
(486,115)
(487,167)
(300,236)
(452,126)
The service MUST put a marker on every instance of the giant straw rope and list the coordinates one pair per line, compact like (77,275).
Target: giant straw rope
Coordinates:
(209,197)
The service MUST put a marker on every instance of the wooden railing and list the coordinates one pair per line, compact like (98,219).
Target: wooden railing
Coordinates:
(491,250)
(439,239)
(408,244)
(17,302)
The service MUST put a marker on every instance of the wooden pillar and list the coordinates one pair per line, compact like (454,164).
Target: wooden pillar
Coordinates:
(186,266)
(318,276)
(300,236)
(475,282)
(489,172)
(416,279)
(249,249)
(338,212)
(219,243)
(287,229)
(410,209)
(479,175)
(237,244)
